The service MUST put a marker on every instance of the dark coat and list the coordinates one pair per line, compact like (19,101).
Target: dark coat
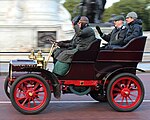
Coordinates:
(115,38)
(134,30)
(65,45)
(83,38)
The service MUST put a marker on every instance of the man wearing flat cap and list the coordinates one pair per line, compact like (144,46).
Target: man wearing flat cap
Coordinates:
(116,36)
(134,27)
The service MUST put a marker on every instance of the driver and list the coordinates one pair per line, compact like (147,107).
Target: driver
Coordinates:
(68,44)
(84,35)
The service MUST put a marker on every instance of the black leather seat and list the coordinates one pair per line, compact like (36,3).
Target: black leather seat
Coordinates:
(90,54)
(131,52)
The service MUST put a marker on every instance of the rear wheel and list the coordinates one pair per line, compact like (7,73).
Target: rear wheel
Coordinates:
(125,92)
(30,94)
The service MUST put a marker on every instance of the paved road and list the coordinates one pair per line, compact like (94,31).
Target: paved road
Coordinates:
(72,107)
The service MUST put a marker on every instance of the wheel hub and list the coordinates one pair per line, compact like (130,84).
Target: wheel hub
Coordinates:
(125,92)
(30,93)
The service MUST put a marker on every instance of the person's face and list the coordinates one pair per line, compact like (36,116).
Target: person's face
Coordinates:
(118,23)
(129,20)
(79,24)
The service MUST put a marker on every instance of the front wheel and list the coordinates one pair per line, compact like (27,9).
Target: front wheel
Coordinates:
(125,92)
(30,94)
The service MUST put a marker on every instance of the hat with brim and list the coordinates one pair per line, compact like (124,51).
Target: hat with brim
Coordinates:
(117,18)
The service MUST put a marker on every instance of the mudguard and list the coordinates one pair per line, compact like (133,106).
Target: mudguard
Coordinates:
(122,69)
(117,71)
(48,76)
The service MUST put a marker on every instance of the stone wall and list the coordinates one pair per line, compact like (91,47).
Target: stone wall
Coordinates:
(22,20)
(21,38)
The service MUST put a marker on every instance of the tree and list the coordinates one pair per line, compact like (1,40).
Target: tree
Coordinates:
(71,5)
(125,6)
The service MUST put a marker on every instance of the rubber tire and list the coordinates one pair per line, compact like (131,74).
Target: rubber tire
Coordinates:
(110,87)
(6,86)
(12,90)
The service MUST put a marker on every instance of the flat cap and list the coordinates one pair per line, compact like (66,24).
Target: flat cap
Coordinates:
(118,17)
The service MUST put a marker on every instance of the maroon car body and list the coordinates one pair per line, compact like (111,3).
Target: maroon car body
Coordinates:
(107,75)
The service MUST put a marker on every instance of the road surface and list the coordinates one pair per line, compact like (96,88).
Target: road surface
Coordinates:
(73,107)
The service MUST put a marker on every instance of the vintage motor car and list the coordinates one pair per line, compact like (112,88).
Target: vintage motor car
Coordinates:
(105,75)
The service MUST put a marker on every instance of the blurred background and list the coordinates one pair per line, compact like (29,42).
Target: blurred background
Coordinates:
(108,8)
(29,24)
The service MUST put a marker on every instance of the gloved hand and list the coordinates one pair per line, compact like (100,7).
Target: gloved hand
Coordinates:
(76,20)
(99,30)
(60,44)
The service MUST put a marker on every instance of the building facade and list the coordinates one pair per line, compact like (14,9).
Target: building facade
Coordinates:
(28,24)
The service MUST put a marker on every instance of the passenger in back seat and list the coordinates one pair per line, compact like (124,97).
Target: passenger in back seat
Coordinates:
(116,36)
(134,27)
